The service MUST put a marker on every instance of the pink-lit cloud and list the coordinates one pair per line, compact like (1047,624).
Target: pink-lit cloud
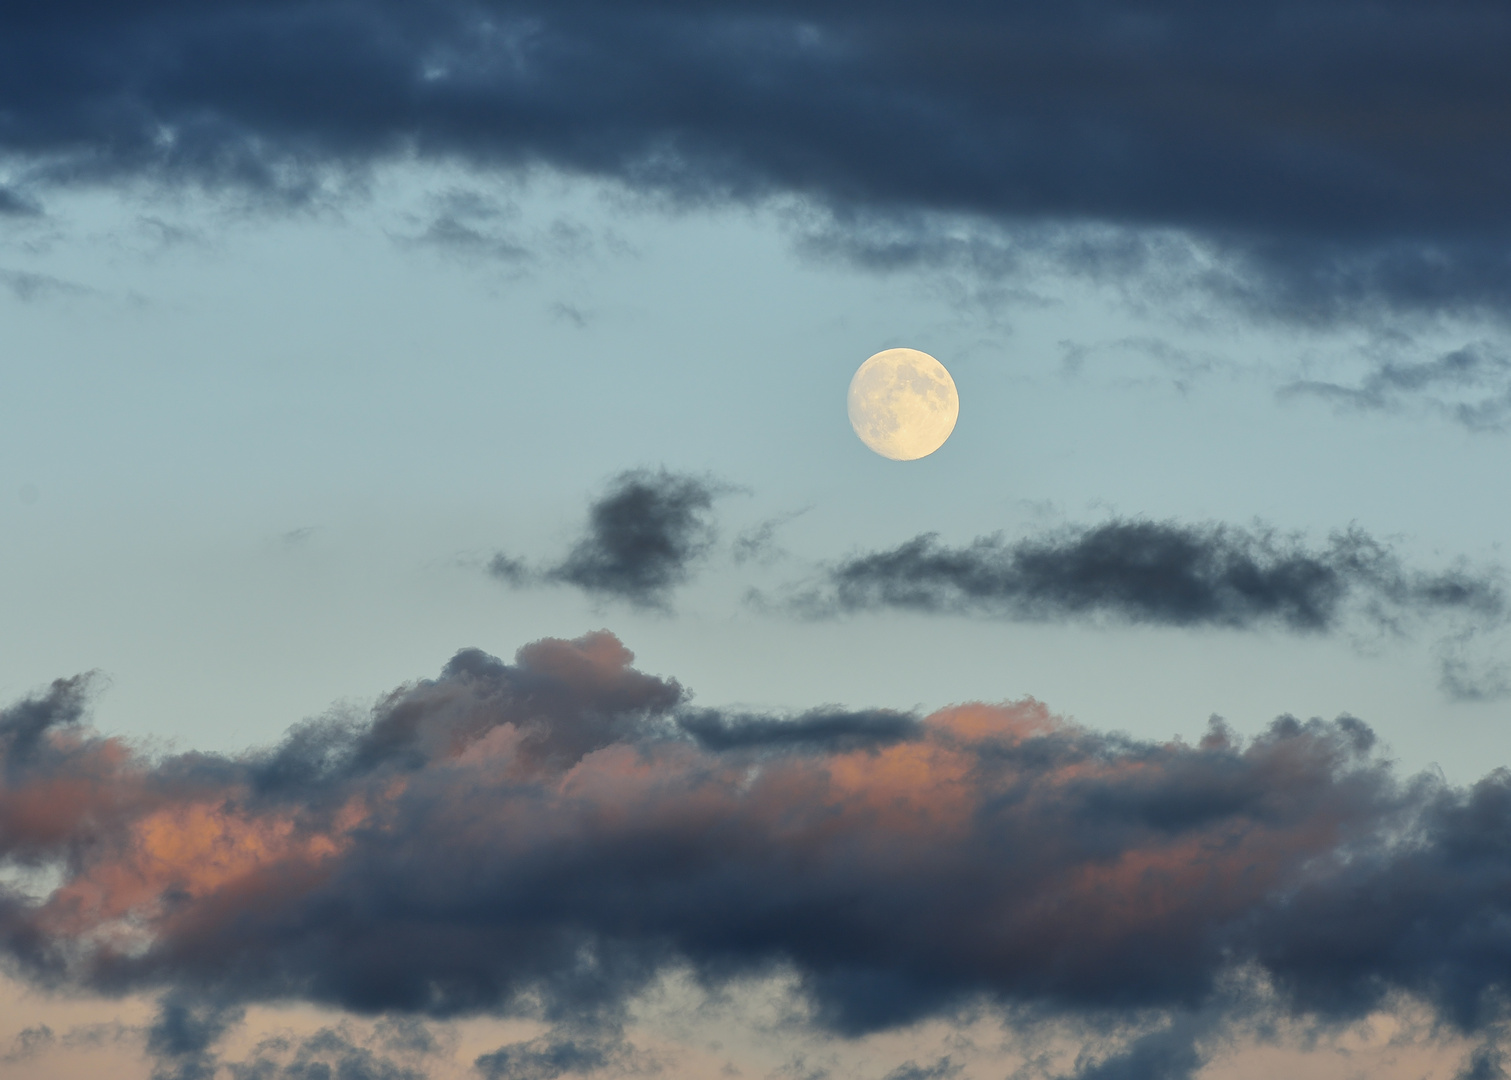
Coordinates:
(553,835)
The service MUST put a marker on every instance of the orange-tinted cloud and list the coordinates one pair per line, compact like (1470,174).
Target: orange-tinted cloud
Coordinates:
(561,829)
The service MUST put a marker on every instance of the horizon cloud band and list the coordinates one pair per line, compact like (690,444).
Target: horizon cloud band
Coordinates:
(563,830)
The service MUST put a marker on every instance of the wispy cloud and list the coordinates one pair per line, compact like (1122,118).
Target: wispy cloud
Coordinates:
(27,286)
(1470,385)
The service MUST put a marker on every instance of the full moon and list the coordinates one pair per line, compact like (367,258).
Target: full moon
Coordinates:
(903,404)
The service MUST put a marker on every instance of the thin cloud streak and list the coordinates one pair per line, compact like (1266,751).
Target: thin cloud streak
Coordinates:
(549,837)
(1470,386)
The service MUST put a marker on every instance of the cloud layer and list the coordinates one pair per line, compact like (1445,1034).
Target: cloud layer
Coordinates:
(1322,159)
(550,836)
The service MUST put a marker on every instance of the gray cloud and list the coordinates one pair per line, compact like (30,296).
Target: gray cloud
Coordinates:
(1161,573)
(14,204)
(29,1043)
(27,286)
(181,1040)
(645,536)
(559,1054)
(943,1069)
(826,730)
(548,837)
(1313,163)
(1471,386)
(329,1054)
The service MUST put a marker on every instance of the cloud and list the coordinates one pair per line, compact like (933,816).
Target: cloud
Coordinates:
(548,837)
(1315,163)
(645,535)
(1471,386)
(560,1054)
(1162,573)
(943,1069)
(26,286)
(758,543)
(14,204)
(29,1043)
(818,729)
(182,1038)
(1168,1053)
(331,1052)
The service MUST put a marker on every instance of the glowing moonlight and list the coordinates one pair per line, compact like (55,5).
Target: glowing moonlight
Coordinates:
(903,404)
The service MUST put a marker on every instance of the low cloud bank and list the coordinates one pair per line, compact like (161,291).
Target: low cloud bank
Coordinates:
(549,836)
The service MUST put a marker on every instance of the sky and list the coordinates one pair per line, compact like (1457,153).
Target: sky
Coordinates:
(451,631)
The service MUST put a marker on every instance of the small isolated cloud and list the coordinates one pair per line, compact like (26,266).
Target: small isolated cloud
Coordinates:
(29,1043)
(1156,572)
(758,544)
(1470,386)
(475,225)
(645,536)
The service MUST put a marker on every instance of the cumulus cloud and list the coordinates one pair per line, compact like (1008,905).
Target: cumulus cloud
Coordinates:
(549,836)
(1317,162)
(645,536)
(1163,573)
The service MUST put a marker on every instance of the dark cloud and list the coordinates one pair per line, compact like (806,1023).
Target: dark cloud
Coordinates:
(181,1040)
(1169,1053)
(1471,386)
(1484,1064)
(548,837)
(14,204)
(1321,160)
(645,535)
(556,1055)
(943,1069)
(819,729)
(329,1054)
(1161,573)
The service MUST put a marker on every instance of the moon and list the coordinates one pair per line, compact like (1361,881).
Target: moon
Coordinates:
(903,404)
